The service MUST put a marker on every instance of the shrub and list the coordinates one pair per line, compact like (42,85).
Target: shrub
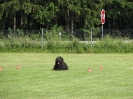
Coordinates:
(33,44)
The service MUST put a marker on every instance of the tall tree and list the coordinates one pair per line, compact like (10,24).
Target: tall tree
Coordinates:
(119,14)
(33,14)
(91,12)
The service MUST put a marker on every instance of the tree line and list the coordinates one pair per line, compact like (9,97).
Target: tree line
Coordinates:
(69,14)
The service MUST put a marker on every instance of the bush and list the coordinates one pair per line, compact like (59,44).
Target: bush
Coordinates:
(110,45)
(33,44)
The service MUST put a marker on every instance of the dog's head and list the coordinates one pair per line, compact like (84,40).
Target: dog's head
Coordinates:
(59,60)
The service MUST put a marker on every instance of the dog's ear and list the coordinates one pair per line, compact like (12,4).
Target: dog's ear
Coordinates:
(56,60)
(62,59)
(59,57)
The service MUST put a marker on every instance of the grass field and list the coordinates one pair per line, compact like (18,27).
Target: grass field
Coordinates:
(37,80)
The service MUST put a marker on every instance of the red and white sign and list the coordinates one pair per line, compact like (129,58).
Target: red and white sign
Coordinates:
(103,16)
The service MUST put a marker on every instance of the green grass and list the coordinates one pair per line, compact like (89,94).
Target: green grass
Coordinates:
(37,80)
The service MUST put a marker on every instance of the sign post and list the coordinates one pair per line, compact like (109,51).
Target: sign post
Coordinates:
(42,39)
(102,20)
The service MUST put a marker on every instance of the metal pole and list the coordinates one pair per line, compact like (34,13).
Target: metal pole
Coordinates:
(91,35)
(42,39)
(102,31)
(91,39)
(60,35)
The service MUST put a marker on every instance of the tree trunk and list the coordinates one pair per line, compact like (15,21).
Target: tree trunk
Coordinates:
(14,27)
(21,24)
(72,22)
(67,19)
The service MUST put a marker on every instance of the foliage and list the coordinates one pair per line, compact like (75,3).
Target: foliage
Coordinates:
(112,45)
(35,14)
(54,34)
(34,44)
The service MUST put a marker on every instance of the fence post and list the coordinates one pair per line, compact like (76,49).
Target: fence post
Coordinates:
(91,40)
(42,39)
(91,35)
(60,35)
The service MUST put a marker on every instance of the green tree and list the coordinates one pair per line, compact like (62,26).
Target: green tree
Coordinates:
(71,14)
(119,14)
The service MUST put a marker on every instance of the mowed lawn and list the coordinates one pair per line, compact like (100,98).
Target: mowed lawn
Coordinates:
(37,80)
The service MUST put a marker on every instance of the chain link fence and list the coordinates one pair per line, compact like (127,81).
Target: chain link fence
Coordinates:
(85,34)
(123,33)
(81,34)
(40,38)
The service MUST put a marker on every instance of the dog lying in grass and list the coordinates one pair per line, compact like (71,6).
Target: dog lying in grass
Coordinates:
(60,64)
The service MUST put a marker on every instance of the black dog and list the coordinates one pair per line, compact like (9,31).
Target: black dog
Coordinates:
(60,64)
